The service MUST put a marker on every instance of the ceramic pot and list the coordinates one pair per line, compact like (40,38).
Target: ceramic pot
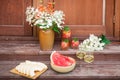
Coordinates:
(46,39)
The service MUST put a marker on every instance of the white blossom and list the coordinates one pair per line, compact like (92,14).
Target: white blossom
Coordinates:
(44,19)
(92,44)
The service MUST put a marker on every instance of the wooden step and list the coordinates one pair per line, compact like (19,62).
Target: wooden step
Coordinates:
(106,65)
(98,70)
(17,50)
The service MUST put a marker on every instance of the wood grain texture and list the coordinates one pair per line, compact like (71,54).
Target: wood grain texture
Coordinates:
(83,17)
(11,31)
(12,17)
(27,28)
(101,70)
(87,16)
(109,22)
(22,50)
(10,14)
(117,19)
(105,67)
(35,4)
(81,12)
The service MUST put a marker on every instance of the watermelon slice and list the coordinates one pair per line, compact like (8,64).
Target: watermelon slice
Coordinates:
(61,63)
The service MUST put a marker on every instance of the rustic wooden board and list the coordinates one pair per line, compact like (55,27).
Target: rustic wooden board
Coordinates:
(37,73)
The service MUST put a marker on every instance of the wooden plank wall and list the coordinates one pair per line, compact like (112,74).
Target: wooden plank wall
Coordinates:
(117,19)
(115,29)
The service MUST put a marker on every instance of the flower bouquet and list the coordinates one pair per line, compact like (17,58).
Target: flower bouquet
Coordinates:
(48,20)
(45,17)
(88,46)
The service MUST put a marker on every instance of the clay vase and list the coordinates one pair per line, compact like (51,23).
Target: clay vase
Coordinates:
(46,39)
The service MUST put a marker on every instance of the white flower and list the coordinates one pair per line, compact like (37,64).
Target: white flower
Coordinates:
(49,22)
(92,44)
(44,19)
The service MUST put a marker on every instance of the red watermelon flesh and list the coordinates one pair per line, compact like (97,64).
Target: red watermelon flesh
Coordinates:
(61,60)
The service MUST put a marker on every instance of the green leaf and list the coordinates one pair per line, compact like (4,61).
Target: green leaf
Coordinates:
(44,29)
(104,39)
(55,27)
(66,40)
(66,28)
(38,25)
(75,39)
